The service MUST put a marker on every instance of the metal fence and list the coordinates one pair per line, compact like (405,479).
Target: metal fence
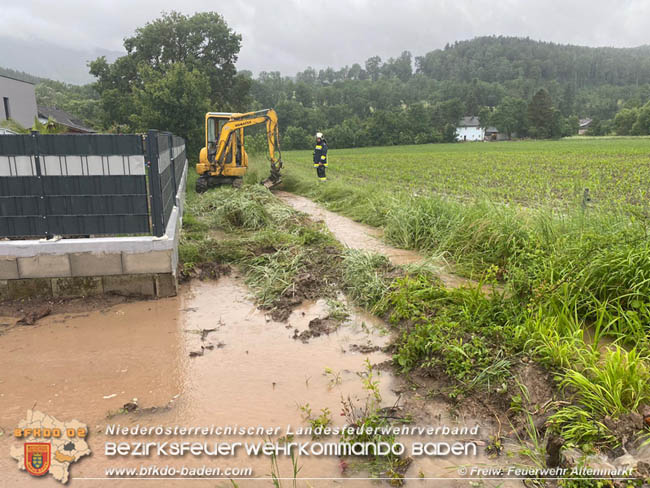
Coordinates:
(166,154)
(90,184)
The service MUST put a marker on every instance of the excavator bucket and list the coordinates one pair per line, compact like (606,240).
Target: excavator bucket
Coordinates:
(275,178)
(271,184)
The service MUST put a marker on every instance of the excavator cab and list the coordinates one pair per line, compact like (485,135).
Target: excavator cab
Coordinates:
(223,159)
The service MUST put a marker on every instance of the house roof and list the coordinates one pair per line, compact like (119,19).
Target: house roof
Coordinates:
(492,129)
(17,79)
(585,122)
(469,121)
(63,118)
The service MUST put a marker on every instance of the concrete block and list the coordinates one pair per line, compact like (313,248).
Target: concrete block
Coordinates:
(150,262)
(44,266)
(8,268)
(129,285)
(95,264)
(166,285)
(4,290)
(77,286)
(35,287)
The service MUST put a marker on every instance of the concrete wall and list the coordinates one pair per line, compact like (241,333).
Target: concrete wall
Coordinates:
(22,101)
(80,267)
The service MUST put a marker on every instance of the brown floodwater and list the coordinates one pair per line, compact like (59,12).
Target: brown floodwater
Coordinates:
(252,372)
(356,235)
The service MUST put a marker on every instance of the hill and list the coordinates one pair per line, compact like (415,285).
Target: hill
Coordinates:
(406,100)
(500,59)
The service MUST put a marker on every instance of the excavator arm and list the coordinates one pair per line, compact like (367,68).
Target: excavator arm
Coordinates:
(216,158)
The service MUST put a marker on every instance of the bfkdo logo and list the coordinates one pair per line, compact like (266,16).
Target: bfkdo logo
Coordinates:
(38,456)
(47,445)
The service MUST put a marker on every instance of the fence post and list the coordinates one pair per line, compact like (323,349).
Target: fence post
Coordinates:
(42,206)
(157,219)
(172,163)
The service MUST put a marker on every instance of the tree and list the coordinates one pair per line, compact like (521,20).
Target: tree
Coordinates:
(173,53)
(573,125)
(641,126)
(307,76)
(114,84)
(80,101)
(401,67)
(567,102)
(485,117)
(373,65)
(203,42)
(541,115)
(449,133)
(355,72)
(511,117)
(295,138)
(624,121)
(176,101)
(595,129)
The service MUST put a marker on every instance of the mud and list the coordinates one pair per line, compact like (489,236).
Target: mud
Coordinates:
(210,270)
(318,280)
(356,235)
(35,305)
(627,427)
(90,366)
(316,328)
(32,316)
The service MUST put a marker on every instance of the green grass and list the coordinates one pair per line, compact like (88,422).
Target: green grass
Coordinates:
(249,228)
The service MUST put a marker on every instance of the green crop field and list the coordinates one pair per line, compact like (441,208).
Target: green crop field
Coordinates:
(615,170)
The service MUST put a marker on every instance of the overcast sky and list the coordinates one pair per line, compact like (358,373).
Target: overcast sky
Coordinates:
(290,35)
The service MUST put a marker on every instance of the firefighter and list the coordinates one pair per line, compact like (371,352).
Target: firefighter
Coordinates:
(320,156)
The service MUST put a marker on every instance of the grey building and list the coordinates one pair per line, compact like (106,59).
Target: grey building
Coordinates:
(17,101)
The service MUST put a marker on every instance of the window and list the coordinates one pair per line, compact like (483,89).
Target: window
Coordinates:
(6,104)
(212,131)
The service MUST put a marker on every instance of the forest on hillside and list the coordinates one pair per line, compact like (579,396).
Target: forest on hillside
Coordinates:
(412,100)
(523,87)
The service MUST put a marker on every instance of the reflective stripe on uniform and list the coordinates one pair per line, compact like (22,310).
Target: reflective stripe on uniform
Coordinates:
(319,147)
(316,165)
(322,157)
(322,179)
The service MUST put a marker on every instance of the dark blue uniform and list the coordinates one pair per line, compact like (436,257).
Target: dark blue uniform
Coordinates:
(320,158)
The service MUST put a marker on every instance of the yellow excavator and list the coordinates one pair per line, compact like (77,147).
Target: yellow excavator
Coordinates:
(223,160)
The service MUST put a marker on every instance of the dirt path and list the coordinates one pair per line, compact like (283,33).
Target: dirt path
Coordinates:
(356,235)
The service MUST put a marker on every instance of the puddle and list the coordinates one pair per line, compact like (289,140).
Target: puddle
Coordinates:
(84,366)
(356,235)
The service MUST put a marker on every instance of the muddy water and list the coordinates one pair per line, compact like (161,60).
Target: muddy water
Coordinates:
(251,372)
(356,235)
